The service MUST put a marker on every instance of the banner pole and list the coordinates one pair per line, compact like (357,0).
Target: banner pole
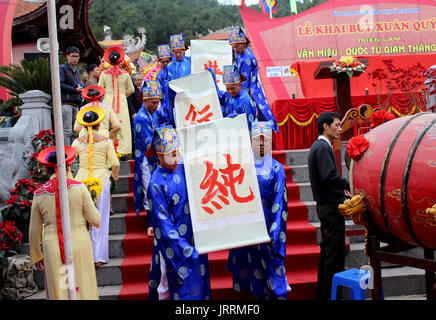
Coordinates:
(60,149)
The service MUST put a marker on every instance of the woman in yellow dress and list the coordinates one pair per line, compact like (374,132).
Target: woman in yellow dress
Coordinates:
(118,86)
(45,226)
(94,158)
(110,125)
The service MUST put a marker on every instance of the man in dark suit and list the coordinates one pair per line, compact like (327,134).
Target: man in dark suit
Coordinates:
(329,190)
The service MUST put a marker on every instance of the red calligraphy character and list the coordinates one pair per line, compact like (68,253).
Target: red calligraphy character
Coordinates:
(214,65)
(210,182)
(193,113)
(220,190)
(191,117)
(230,181)
(206,118)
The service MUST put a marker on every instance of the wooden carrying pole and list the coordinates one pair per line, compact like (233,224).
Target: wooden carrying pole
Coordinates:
(60,149)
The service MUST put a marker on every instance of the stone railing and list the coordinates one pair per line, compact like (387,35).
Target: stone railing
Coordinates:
(16,142)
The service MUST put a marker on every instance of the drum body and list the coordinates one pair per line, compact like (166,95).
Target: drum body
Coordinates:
(397,175)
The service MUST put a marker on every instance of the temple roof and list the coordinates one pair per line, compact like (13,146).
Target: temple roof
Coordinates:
(23,8)
(30,23)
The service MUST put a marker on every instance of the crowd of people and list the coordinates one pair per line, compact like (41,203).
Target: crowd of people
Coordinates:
(129,117)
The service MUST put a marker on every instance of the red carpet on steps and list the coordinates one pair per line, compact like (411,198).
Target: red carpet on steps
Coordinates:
(137,248)
(301,260)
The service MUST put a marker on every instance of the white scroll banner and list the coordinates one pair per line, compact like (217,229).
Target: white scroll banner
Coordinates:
(213,54)
(224,199)
(196,99)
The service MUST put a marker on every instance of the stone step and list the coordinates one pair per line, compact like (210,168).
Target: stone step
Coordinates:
(305,191)
(104,292)
(297,157)
(125,168)
(399,283)
(355,233)
(300,173)
(124,183)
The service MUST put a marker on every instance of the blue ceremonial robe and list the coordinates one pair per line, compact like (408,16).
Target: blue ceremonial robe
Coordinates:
(187,271)
(260,268)
(247,66)
(179,69)
(144,125)
(163,79)
(239,104)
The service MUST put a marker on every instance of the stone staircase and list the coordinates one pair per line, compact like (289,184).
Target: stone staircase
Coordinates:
(397,281)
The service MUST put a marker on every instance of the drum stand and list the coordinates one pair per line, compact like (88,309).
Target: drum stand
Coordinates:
(388,254)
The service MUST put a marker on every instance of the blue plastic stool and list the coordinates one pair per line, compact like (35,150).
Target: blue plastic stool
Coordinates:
(352,279)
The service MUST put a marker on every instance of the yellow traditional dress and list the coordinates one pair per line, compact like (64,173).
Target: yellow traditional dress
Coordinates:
(103,154)
(110,122)
(119,86)
(43,227)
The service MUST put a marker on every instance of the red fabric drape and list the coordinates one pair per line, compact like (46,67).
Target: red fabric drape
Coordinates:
(297,117)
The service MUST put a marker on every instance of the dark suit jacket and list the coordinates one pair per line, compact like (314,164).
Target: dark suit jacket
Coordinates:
(133,103)
(327,184)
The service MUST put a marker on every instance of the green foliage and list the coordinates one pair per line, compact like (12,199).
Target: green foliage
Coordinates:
(163,18)
(26,76)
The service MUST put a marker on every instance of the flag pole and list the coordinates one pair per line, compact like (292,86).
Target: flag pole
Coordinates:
(270,9)
(60,149)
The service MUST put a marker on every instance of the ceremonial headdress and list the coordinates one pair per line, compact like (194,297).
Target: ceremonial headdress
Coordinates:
(47,158)
(165,140)
(261,128)
(238,36)
(114,55)
(152,90)
(90,116)
(178,42)
(231,75)
(96,98)
(164,52)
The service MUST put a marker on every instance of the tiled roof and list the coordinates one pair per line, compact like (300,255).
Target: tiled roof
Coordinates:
(216,36)
(24,8)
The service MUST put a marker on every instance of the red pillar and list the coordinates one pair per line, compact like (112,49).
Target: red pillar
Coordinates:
(7,10)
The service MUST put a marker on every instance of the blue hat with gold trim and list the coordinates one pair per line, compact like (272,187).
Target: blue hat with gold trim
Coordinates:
(177,42)
(165,140)
(152,90)
(231,75)
(238,36)
(261,128)
(163,51)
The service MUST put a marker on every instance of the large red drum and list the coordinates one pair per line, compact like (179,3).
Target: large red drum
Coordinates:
(397,175)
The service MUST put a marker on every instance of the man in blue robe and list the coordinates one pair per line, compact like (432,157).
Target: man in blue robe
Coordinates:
(180,66)
(164,58)
(236,100)
(184,270)
(152,114)
(260,268)
(247,65)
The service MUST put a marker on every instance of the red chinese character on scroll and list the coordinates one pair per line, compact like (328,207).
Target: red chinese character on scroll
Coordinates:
(222,190)
(214,66)
(194,116)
